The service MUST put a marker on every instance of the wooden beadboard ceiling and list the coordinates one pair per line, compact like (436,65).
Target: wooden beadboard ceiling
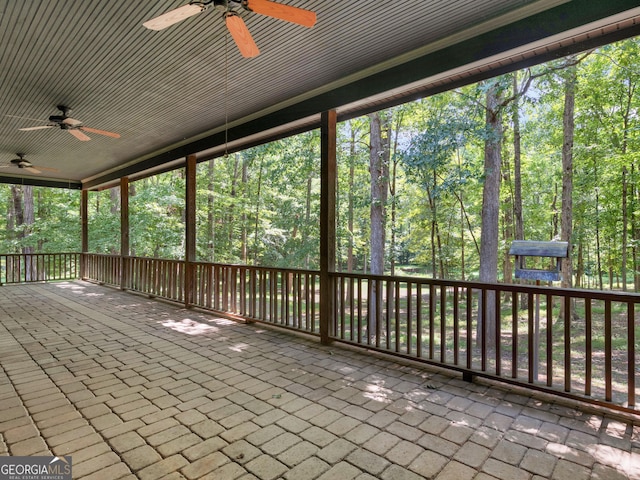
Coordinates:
(172,92)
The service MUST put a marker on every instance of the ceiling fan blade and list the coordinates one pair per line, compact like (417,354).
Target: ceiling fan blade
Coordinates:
(100,132)
(303,17)
(241,36)
(46,169)
(173,16)
(78,134)
(41,127)
(32,170)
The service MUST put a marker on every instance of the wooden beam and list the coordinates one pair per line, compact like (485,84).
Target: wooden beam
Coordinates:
(190,228)
(41,182)
(328,188)
(124,232)
(84,222)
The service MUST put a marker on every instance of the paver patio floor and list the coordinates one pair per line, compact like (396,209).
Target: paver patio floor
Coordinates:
(136,388)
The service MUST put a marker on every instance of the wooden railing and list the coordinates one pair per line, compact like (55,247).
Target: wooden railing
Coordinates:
(155,277)
(104,269)
(284,297)
(38,267)
(575,343)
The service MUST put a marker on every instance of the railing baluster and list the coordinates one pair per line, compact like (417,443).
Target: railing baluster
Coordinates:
(515,318)
(359,310)
(341,299)
(443,323)
(432,316)
(549,340)
(567,344)
(456,325)
(419,320)
(387,317)
(498,333)
(397,314)
(631,355)
(352,310)
(607,350)
(409,317)
(485,329)
(285,298)
(530,337)
(469,328)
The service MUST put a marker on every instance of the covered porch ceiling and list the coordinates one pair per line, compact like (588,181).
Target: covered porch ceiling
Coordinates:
(187,90)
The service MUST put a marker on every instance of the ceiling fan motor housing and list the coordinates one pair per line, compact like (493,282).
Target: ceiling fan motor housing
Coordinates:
(21,162)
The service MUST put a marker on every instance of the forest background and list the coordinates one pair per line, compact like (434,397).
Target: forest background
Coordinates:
(439,187)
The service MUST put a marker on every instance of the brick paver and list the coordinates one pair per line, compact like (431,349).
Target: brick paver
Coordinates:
(135,388)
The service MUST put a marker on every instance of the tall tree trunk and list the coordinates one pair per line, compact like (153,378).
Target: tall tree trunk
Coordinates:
(394,207)
(233,194)
(351,195)
(635,228)
(114,209)
(132,193)
(211,213)
(16,221)
(462,223)
(114,200)
(307,219)
(598,252)
(517,162)
(490,211)
(245,181)
(555,224)
(568,125)
(626,118)
(508,235)
(434,223)
(379,173)
(257,217)
(580,266)
(393,191)
(11,217)
(31,265)
(625,228)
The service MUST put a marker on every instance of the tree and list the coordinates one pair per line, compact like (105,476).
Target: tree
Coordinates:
(490,207)
(379,171)
(568,125)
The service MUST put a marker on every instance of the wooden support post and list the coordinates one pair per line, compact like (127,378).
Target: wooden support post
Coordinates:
(84,222)
(124,232)
(328,183)
(190,230)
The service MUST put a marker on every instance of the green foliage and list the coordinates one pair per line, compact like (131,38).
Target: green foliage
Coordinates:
(56,226)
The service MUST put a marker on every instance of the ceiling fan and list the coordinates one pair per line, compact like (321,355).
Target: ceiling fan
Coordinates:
(21,162)
(236,26)
(71,125)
